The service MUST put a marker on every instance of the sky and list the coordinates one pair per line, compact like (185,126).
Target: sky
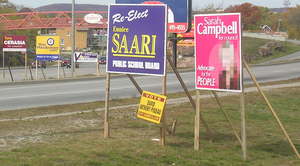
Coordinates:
(195,3)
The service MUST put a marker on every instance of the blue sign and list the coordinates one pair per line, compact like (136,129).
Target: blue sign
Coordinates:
(47,57)
(137,39)
(179,13)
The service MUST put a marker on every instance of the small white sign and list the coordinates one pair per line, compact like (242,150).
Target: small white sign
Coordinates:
(92,18)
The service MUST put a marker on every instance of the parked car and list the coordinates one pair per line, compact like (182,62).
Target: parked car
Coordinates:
(102,60)
(40,63)
(86,49)
(69,64)
(64,61)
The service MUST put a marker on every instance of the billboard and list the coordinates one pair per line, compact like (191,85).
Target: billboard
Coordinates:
(137,37)
(151,106)
(47,47)
(179,13)
(85,57)
(14,43)
(218,52)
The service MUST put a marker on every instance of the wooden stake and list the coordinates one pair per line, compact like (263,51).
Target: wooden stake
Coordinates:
(43,72)
(163,118)
(243,118)
(36,72)
(25,65)
(227,117)
(197,122)
(58,69)
(106,126)
(189,96)
(3,66)
(174,127)
(135,83)
(271,109)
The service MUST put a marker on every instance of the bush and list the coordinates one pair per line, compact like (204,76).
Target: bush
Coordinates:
(294,33)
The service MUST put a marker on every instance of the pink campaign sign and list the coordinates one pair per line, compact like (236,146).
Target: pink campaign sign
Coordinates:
(218,52)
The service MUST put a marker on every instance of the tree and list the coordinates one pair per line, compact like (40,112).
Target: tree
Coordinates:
(250,13)
(294,17)
(209,9)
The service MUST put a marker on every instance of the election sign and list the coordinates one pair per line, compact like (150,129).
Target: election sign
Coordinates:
(179,12)
(151,106)
(14,43)
(190,34)
(218,52)
(137,37)
(85,57)
(47,47)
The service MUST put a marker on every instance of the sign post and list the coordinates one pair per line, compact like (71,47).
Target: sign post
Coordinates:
(14,44)
(3,66)
(137,36)
(47,48)
(218,61)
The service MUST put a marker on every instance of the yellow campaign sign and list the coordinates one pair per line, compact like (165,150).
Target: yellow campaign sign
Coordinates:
(151,106)
(47,45)
(186,43)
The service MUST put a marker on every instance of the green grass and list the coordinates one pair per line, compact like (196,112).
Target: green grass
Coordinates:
(77,139)
(250,46)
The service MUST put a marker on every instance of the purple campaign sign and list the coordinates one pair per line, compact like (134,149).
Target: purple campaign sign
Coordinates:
(85,57)
(137,39)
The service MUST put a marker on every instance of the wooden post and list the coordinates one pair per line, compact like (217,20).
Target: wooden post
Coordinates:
(197,121)
(135,83)
(43,72)
(227,117)
(98,68)
(3,66)
(58,62)
(64,71)
(25,65)
(173,127)
(30,72)
(189,96)
(163,118)
(271,109)
(36,72)
(12,79)
(243,119)
(106,125)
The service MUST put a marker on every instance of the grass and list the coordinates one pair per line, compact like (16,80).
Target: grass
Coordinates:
(251,46)
(75,136)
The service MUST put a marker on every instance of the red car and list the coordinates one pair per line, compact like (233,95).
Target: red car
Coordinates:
(42,64)
(64,62)
(102,60)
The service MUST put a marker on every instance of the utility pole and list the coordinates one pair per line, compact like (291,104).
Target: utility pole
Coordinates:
(73,39)
(286,4)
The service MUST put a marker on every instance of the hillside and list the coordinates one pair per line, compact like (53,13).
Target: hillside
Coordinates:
(68,7)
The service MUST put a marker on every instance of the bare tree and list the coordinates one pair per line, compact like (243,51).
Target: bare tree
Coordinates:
(209,9)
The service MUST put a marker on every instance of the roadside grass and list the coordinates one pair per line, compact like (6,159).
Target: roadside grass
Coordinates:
(251,46)
(74,135)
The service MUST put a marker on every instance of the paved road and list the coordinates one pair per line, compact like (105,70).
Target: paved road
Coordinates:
(28,94)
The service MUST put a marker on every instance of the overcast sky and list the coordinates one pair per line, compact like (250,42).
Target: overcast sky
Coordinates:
(195,3)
